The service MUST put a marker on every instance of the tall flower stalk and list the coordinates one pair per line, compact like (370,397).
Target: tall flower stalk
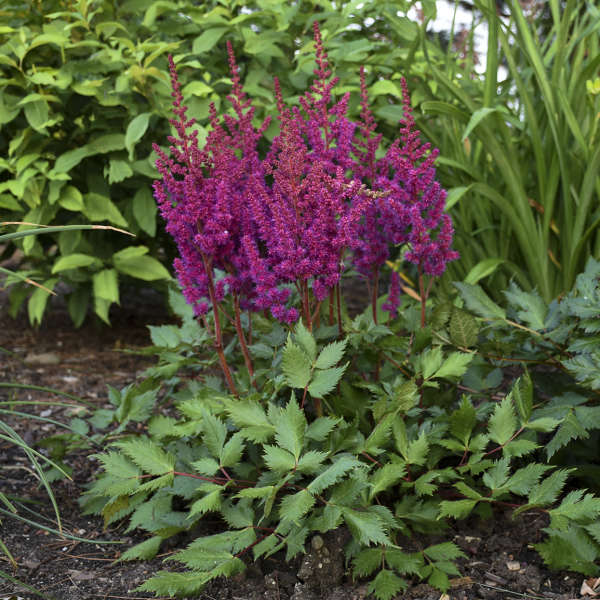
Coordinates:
(286,220)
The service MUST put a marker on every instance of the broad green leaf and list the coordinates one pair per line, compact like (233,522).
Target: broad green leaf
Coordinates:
(74,261)
(144,210)
(132,261)
(208,40)
(37,115)
(118,170)
(106,285)
(532,307)
(101,208)
(70,159)
(36,304)
(495,477)
(311,461)
(135,131)
(382,87)
(522,480)
(367,561)
(503,422)
(479,302)
(385,478)
(570,429)
(196,88)
(331,355)
(482,269)
(210,502)
(71,198)
(296,365)
(430,361)
(320,428)
(166,336)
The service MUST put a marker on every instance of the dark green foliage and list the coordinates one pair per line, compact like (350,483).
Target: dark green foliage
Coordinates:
(277,473)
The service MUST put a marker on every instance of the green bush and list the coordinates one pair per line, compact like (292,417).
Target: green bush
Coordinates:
(84,90)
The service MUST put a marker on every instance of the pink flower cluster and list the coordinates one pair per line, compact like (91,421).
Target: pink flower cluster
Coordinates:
(286,219)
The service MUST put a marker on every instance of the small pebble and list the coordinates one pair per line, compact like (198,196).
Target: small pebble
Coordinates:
(513,565)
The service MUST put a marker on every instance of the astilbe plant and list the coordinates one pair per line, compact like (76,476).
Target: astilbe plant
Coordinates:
(287,219)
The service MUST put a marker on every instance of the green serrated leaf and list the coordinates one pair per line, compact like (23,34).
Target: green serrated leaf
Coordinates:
(385,478)
(387,585)
(331,354)
(214,433)
(306,341)
(144,551)
(457,509)
(294,507)
(463,420)
(342,465)
(147,455)
(296,365)
(503,422)
(232,451)
(522,393)
(290,425)
(325,380)
(570,429)
(208,503)
(367,528)
(278,459)
(463,329)
(445,551)
(454,366)
(367,561)
(546,492)
(533,309)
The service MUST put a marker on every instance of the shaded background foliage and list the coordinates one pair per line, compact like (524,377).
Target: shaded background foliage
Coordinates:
(84,92)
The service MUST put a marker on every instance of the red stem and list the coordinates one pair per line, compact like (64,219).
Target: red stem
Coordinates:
(242,338)
(218,334)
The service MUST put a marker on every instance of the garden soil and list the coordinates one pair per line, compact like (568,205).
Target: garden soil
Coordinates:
(499,563)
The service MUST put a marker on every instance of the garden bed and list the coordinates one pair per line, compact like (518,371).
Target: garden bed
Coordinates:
(499,564)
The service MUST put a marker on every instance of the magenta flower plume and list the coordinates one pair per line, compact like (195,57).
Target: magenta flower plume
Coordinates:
(285,220)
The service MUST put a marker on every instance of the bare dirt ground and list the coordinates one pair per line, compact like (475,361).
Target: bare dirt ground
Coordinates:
(499,564)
